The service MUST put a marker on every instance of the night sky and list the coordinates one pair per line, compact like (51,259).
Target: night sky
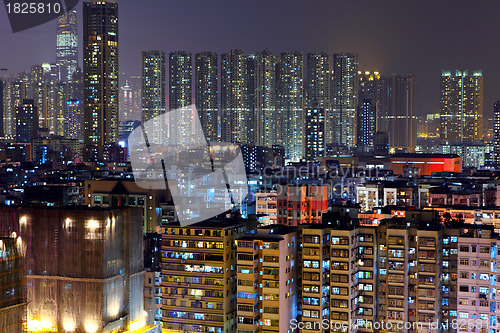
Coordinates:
(418,37)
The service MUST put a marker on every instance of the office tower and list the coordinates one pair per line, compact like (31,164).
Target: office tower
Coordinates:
(314,134)
(300,204)
(267,274)
(73,119)
(290,116)
(125,102)
(12,281)
(153,91)
(265,99)
(403,117)
(85,268)
(496,132)
(100,72)
(368,107)
(367,117)
(67,45)
(461,106)
(341,123)
(26,121)
(199,276)
(236,121)
(206,93)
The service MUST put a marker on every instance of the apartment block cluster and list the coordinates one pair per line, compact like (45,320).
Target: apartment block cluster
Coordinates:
(276,278)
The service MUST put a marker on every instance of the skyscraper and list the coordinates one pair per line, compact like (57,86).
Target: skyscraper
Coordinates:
(153,85)
(125,102)
(236,120)
(403,119)
(100,72)
(180,75)
(318,80)
(496,132)
(265,99)
(290,120)
(342,119)
(461,106)
(206,93)
(368,107)
(180,92)
(72,119)
(314,137)
(67,45)
(26,121)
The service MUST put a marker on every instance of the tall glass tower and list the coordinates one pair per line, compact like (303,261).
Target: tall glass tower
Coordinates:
(67,45)
(100,72)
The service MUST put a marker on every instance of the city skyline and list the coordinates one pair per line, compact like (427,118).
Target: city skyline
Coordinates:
(387,49)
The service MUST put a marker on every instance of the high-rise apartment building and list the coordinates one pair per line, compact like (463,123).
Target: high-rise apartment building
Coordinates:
(153,84)
(461,106)
(318,80)
(496,132)
(342,120)
(314,133)
(199,276)
(180,94)
(180,80)
(26,121)
(267,273)
(237,123)
(100,72)
(403,117)
(153,90)
(290,116)
(67,45)
(368,107)
(265,99)
(206,93)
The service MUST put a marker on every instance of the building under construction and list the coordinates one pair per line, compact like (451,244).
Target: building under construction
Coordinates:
(84,267)
(12,284)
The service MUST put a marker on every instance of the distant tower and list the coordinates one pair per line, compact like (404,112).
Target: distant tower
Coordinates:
(403,125)
(496,133)
(342,121)
(265,99)
(67,45)
(72,116)
(235,115)
(318,80)
(126,102)
(153,87)
(206,93)
(314,133)
(367,108)
(461,106)
(290,120)
(26,121)
(100,72)
(180,92)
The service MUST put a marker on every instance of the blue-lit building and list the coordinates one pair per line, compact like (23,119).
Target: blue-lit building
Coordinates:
(26,121)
